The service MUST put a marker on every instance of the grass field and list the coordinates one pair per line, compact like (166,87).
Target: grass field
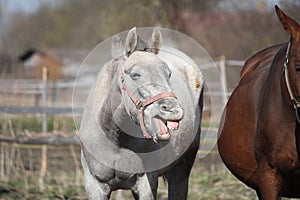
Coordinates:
(20,172)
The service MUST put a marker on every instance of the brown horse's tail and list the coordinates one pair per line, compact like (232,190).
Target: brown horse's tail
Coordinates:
(297,135)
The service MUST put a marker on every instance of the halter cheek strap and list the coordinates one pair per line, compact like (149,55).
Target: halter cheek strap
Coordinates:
(296,103)
(141,105)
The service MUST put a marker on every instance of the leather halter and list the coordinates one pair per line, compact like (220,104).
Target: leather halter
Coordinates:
(141,105)
(296,103)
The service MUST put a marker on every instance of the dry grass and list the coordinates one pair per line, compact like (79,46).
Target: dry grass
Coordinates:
(20,166)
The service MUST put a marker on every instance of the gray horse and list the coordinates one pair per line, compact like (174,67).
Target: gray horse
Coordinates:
(142,120)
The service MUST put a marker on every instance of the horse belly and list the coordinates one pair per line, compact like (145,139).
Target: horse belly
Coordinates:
(236,132)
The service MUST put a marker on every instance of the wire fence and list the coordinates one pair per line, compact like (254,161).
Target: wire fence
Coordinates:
(43,98)
(59,99)
(47,100)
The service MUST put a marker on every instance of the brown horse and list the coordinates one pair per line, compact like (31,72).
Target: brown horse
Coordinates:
(259,131)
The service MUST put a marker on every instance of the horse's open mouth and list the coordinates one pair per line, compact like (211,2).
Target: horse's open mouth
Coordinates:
(164,127)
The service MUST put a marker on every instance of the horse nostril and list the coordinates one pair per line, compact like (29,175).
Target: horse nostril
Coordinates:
(164,108)
(174,109)
(170,107)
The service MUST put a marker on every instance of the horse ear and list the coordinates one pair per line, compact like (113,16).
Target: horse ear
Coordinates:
(290,25)
(156,41)
(131,41)
(117,48)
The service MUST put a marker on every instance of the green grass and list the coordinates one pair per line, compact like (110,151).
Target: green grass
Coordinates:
(219,185)
(19,188)
(34,124)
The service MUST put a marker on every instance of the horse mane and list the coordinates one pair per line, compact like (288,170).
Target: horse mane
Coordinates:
(182,63)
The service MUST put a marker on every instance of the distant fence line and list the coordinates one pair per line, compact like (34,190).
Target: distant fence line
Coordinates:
(39,110)
(40,89)
(43,139)
(235,63)
(35,86)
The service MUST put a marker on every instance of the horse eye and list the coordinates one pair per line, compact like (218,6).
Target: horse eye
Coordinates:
(135,76)
(298,68)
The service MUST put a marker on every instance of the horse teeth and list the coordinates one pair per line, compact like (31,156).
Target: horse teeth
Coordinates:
(172,128)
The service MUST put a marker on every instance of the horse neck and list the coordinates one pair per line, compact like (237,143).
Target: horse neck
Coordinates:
(113,96)
(275,94)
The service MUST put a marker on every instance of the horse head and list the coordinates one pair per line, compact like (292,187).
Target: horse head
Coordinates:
(292,56)
(146,90)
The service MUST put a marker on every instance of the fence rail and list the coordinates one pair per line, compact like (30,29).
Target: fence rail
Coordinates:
(38,88)
(39,110)
(36,83)
(43,139)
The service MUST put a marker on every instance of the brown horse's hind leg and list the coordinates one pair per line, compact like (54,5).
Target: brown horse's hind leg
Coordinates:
(270,181)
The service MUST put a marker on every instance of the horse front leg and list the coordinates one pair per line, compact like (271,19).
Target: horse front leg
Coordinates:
(270,181)
(94,189)
(145,187)
(178,176)
(177,186)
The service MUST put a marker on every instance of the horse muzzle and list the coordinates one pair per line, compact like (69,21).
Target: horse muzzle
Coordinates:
(170,109)
(168,118)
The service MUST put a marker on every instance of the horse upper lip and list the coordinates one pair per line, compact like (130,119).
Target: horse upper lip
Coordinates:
(165,119)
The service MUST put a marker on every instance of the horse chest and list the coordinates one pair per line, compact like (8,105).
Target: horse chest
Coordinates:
(277,144)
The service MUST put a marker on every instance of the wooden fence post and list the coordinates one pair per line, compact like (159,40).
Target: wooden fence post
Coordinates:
(44,99)
(223,79)
(43,168)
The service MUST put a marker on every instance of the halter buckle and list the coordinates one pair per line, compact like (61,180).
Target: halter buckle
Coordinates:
(286,61)
(139,105)
(296,103)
